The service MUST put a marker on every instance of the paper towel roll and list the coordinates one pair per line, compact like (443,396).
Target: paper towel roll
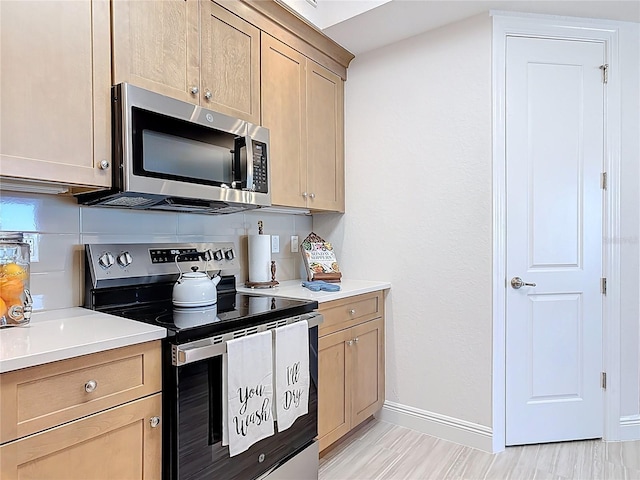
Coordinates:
(259,258)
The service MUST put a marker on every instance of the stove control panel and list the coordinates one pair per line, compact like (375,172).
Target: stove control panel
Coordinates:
(167,255)
(129,261)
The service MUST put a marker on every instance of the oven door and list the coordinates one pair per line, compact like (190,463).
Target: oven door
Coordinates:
(193,439)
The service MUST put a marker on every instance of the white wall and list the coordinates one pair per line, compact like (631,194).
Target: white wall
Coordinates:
(331,12)
(630,223)
(64,227)
(418,212)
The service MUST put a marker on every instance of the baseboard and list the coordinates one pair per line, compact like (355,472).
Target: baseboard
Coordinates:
(630,428)
(437,425)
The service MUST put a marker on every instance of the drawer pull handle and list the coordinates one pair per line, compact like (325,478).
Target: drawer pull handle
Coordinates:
(352,311)
(155,421)
(90,386)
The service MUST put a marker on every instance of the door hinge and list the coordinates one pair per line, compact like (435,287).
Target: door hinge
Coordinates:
(604,180)
(605,72)
(603,380)
(603,286)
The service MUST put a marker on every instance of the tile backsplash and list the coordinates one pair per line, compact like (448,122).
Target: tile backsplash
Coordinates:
(63,227)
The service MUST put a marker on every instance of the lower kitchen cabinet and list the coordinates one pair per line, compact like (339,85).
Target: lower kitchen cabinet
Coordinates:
(121,442)
(350,365)
(95,416)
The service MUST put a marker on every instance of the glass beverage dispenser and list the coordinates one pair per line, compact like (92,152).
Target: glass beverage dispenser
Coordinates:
(15,298)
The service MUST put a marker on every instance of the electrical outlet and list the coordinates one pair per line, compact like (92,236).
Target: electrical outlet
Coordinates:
(275,244)
(33,239)
(294,243)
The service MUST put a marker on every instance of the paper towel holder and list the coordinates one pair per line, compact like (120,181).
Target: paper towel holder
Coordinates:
(273,281)
(270,284)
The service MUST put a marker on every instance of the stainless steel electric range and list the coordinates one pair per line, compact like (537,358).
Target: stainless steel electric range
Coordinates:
(135,281)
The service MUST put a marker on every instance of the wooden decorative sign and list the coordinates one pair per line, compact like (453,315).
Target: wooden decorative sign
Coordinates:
(320,259)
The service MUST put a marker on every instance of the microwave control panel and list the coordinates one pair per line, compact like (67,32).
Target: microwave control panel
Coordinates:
(260,179)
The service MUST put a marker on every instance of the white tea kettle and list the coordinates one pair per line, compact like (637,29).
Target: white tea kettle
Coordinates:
(195,289)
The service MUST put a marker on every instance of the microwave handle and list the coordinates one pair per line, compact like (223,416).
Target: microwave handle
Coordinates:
(239,182)
(249,146)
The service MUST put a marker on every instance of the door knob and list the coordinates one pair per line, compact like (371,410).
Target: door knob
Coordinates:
(517,282)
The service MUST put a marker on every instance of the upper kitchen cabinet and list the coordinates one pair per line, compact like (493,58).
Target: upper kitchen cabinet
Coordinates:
(283,113)
(192,50)
(302,103)
(303,107)
(325,139)
(156,46)
(55,96)
(230,63)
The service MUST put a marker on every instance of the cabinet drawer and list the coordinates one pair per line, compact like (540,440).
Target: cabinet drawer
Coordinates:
(40,397)
(351,311)
(118,443)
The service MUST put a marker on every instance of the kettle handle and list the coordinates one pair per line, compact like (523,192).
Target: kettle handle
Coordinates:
(178,267)
(205,256)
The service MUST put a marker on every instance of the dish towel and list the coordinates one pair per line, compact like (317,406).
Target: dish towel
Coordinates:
(248,377)
(318,285)
(292,372)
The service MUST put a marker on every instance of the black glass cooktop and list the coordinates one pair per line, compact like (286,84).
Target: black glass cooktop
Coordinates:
(231,312)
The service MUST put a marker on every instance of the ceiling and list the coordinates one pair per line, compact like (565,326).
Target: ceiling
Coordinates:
(399,19)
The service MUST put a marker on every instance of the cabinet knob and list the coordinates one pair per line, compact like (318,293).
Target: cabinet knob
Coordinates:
(312,196)
(208,94)
(104,164)
(90,386)
(352,311)
(155,421)
(305,194)
(194,90)
(356,339)
(350,342)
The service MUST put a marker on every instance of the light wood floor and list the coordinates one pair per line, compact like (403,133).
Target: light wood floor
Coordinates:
(379,450)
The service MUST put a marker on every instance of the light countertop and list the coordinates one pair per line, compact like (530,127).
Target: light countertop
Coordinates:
(70,332)
(294,289)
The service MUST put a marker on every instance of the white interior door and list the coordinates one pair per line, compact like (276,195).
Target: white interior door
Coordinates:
(554,160)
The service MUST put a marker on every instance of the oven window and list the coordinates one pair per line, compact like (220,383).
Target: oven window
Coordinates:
(173,149)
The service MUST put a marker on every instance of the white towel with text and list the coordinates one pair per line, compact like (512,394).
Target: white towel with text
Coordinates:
(291,365)
(249,378)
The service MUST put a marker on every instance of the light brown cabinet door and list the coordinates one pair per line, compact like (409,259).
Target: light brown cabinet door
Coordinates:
(230,63)
(334,387)
(116,443)
(325,134)
(156,46)
(368,370)
(284,114)
(39,397)
(55,95)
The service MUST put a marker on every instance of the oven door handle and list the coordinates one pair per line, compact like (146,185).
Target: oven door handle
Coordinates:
(216,346)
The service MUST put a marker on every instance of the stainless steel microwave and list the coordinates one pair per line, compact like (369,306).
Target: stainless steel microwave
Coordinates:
(173,155)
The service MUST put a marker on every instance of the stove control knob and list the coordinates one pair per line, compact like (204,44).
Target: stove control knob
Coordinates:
(230,254)
(125,259)
(218,255)
(106,260)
